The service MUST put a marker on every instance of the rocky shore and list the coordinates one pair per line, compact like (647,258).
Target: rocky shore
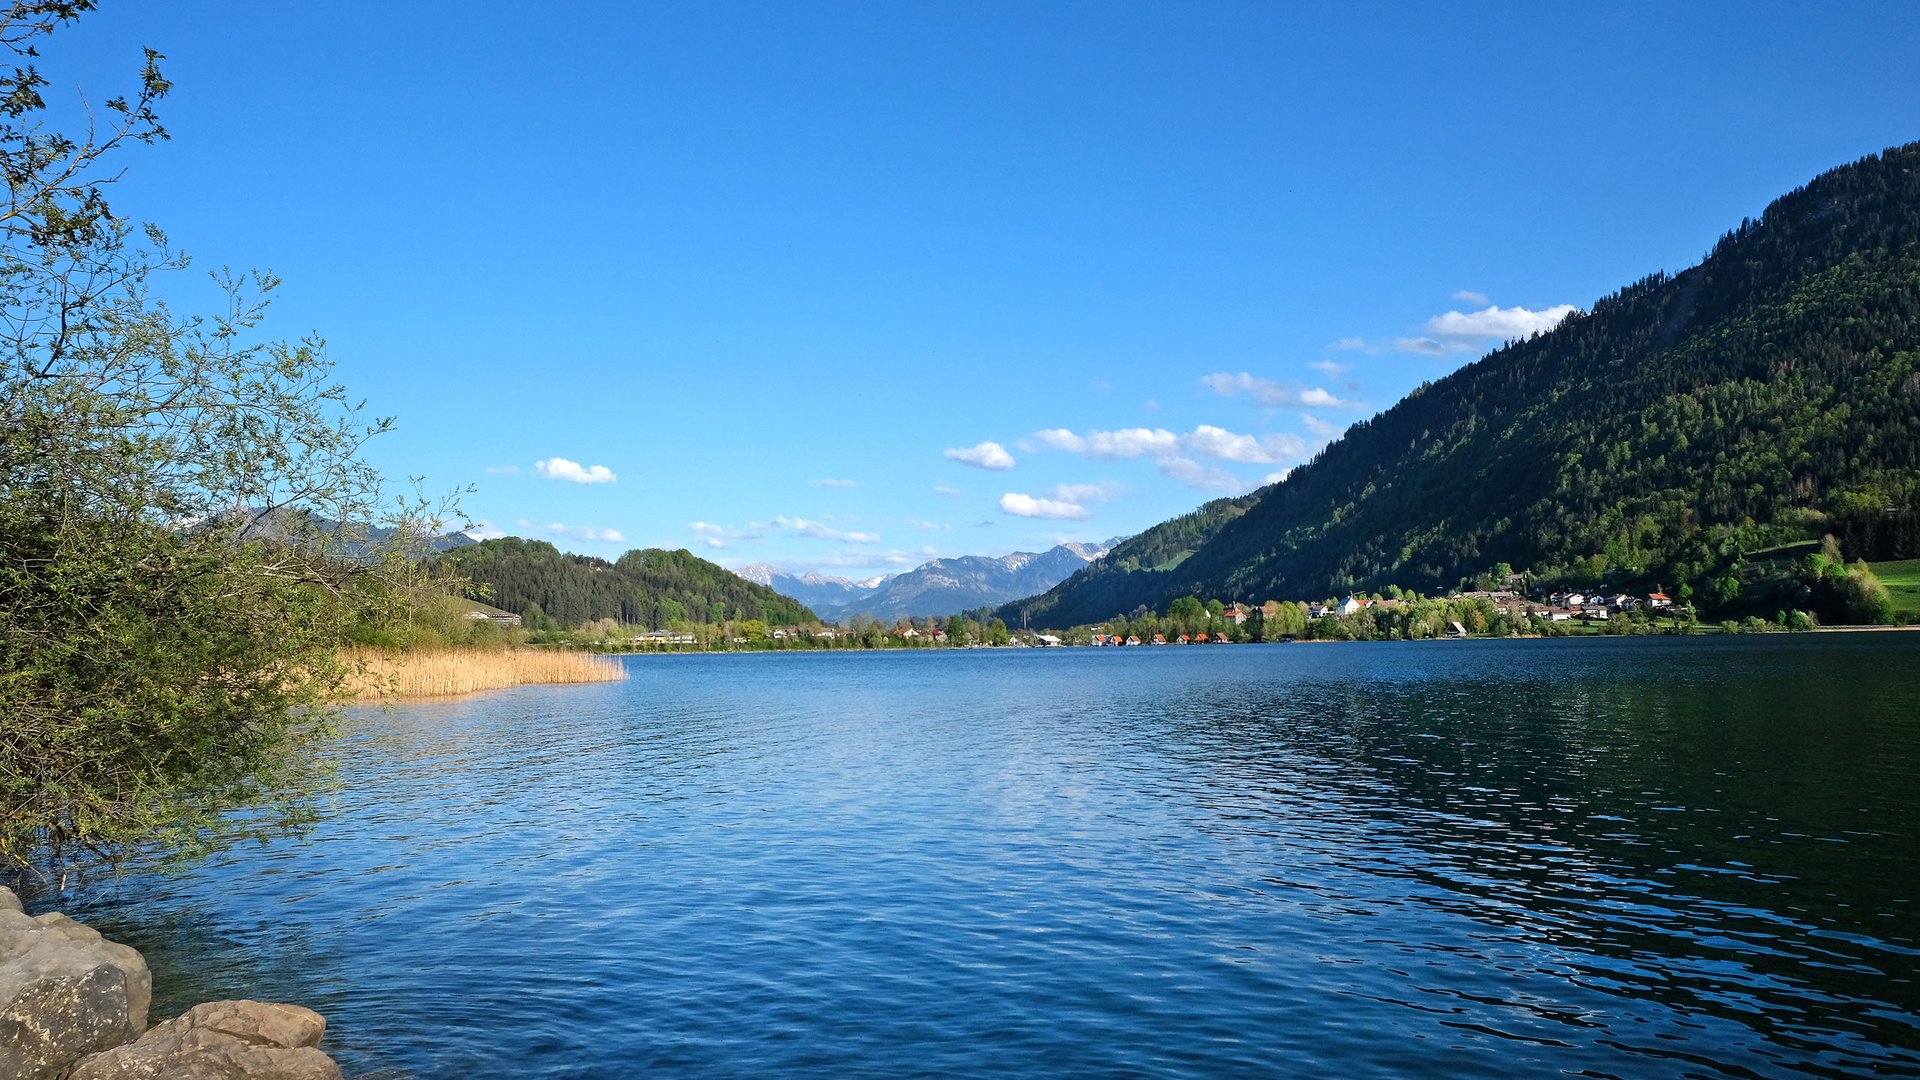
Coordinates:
(73,1006)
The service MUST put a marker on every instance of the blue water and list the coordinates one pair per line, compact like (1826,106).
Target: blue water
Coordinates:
(1630,858)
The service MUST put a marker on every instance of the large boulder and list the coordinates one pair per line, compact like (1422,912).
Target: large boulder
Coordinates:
(65,992)
(222,1040)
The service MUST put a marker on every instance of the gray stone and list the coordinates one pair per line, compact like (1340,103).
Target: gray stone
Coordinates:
(222,1040)
(65,992)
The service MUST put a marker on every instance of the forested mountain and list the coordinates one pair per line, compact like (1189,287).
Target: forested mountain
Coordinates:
(650,587)
(1768,394)
(938,587)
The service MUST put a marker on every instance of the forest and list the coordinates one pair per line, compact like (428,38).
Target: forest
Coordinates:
(1684,426)
(649,587)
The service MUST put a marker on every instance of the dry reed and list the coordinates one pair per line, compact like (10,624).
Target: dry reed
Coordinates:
(450,672)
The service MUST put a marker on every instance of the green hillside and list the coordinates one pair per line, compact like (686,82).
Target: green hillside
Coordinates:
(650,587)
(1766,396)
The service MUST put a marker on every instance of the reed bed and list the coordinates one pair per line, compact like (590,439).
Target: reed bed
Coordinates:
(451,672)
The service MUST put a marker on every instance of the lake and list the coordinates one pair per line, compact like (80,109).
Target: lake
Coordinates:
(1606,858)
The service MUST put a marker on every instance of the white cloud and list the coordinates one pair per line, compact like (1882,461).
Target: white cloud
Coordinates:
(1350,344)
(1320,428)
(933,526)
(1083,493)
(1468,296)
(821,531)
(1027,506)
(484,530)
(1206,439)
(1125,443)
(949,492)
(1276,477)
(1273,394)
(987,455)
(559,468)
(711,535)
(586,532)
(503,470)
(1467,331)
(830,482)
(1203,477)
(1332,369)
(1317,398)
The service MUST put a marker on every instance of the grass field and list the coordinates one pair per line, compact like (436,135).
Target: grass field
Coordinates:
(1902,580)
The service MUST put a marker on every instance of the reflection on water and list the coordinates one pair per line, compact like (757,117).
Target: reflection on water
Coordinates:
(1608,858)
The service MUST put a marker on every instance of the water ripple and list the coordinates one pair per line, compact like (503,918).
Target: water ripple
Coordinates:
(1621,858)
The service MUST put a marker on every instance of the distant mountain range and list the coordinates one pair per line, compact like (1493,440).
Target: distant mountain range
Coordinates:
(940,587)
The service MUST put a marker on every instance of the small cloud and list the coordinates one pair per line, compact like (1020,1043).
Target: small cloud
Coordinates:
(559,468)
(1100,386)
(1275,477)
(1152,405)
(1084,493)
(821,531)
(949,492)
(1125,443)
(1349,344)
(987,455)
(484,530)
(1160,443)
(1272,394)
(830,482)
(1202,477)
(1027,506)
(932,526)
(587,533)
(720,536)
(1467,331)
(1468,296)
(503,470)
(1319,427)
(1332,369)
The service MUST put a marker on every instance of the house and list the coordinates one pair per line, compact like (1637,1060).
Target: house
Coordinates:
(1182,640)
(1659,600)
(909,634)
(1318,610)
(827,633)
(1350,605)
(1047,641)
(1131,640)
(1159,639)
(1234,614)
(497,618)
(1560,614)
(1455,630)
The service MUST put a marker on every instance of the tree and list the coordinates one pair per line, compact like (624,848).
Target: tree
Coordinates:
(186,524)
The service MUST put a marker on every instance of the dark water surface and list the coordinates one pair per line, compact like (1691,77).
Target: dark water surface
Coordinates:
(1628,858)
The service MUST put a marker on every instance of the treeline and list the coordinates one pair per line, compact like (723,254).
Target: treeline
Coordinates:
(652,588)
(1765,396)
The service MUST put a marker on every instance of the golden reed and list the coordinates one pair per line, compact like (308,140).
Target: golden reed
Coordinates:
(449,672)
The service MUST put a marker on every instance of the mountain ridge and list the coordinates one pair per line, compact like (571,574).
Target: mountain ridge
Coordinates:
(937,587)
(1764,395)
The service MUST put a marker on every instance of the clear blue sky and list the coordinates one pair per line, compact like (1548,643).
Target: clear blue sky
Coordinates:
(767,265)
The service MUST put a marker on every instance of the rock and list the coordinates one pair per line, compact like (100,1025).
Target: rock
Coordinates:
(65,992)
(222,1040)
